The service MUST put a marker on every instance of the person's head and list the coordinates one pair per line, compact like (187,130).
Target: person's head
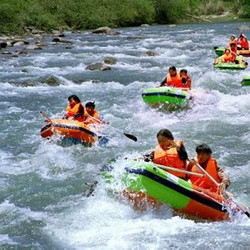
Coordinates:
(165,139)
(232,37)
(227,51)
(183,72)
(232,45)
(73,100)
(90,107)
(204,152)
(172,71)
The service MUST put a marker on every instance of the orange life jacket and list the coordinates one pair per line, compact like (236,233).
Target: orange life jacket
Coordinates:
(234,50)
(188,83)
(71,112)
(233,41)
(206,182)
(174,81)
(228,58)
(91,120)
(170,158)
(244,43)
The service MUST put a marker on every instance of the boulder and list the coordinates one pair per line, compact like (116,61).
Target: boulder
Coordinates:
(60,40)
(3,44)
(98,66)
(105,30)
(150,53)
(50,80)
(33,47)
(110,60)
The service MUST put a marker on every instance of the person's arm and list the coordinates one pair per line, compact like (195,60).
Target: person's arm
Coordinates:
(147,157)
(225,182)
(163,82)
(182,153)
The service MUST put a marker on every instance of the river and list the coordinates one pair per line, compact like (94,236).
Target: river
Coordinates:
(42,183)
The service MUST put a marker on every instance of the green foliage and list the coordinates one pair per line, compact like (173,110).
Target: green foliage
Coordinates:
(15,15)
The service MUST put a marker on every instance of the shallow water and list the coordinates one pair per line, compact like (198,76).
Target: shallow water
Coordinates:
(42,183)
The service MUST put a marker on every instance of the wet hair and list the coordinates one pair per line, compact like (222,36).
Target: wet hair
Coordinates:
(183,71)
(203,148)
(227,50)
(90,105)
(75,98)
(172,68)
(165,133)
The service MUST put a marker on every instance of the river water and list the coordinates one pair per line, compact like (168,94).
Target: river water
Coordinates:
(43,203)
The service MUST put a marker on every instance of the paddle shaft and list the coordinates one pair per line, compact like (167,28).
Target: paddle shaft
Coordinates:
(45,115)
(178,170)
(132,137)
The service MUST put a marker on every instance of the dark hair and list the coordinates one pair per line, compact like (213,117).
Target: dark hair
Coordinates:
(172,68)
(203,148)
(183,70)
(74,97)
(165,133)
(90,105)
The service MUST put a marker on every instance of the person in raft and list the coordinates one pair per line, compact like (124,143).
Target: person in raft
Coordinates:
(169,153)
(91,113)
(75,109)
(174,79)
(228,56)
(242,42)
(209,164)
(232,40)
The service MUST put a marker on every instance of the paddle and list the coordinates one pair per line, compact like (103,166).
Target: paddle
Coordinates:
(45,115)
(226,194)
(178,170)
(132,137)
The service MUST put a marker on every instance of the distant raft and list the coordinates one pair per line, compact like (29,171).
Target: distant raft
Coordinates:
(74,131)
(168,96)
(246,81)
(220,51)
(231,66)
(147,183)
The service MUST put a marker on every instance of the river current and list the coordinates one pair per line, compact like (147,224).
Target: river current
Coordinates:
(42,183)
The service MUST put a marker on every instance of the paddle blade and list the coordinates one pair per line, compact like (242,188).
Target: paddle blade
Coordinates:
(132,137)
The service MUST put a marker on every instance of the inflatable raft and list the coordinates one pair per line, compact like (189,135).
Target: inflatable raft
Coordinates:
(241,65)
(168,97)
(147,182)
(220,51)
(73,131)
(245,81)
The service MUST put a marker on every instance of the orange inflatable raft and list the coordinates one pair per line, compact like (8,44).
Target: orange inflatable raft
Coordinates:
(70,129)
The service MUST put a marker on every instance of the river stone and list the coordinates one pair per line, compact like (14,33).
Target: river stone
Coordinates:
(3,44)
(105,30)
(98,66)
(60,40)
(110,60)
(33,47)
(150,53)
(51,81)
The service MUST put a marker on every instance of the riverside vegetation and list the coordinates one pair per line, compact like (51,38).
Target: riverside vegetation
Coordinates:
(47,15)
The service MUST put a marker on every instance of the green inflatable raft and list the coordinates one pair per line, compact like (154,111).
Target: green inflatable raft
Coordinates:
(230,66)
(246,81)
(219,51)
(168,97)
(144,182)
